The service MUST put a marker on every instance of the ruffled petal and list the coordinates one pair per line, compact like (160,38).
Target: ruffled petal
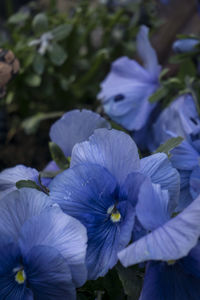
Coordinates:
(147,53)
(62,232)
(10,176)
(184,157)
(163,282)
(111,149)
(171,241)
(19,206)
(152,207)
(48,274)
(160,170)
(75,127)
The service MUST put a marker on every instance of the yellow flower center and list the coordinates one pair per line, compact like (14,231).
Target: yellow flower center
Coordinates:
(115,215)
(20,277)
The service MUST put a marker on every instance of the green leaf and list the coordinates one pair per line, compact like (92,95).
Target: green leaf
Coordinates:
(31,124)
(58,156)
(169,145)
(33,80)
(159,94)
(61,32)
(28,184)
(57,54)
(19,17)
(132,280)
(39,64)
(40,23)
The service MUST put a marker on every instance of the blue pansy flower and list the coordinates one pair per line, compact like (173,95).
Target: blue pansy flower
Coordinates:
(127,88)
(181,119)
(10,176)
(170,246)
(100,189)
(42,250)
(185,45)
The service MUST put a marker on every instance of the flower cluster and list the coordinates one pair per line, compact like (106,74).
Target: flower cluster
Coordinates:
(109,204)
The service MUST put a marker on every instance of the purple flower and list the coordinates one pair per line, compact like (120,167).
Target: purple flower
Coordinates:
(100,189)
(42,250)
(127,88)
(169,246)
(185,45)
(181,119)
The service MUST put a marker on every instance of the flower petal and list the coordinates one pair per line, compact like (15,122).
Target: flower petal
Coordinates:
(48,274)
(163,282)
(111,149)
(171,241)
(160,170)
(147,53)
(152,207)
(195,182)
(10,176)
(75,127)
(61,232)
(19,206)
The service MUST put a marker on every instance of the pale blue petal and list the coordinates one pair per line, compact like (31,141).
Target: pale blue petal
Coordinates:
(10,176)
(19,206)
(160,170)
(147,53)
(180,118)
(124,72)
(111,149)
(62,232)
(75,127)
(171,241)
(195,182)
(185,45)
(133,111)
(152,208)
(184,157)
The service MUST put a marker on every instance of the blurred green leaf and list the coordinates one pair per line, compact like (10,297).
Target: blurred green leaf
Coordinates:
(159,94)
(61,32)
(57,54)
(33,80)
(58,156)
(169,145)
(132,280)
(19,17)
(31,124)
(40,23)
(39,64)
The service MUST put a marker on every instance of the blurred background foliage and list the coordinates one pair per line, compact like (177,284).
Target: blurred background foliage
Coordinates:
(64,55)
(65,49)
